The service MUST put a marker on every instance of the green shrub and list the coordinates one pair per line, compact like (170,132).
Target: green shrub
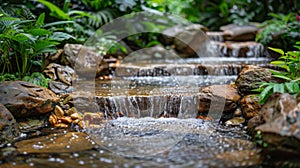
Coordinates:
(290,63)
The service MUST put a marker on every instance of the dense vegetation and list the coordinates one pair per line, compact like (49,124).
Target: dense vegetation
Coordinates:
(32,30)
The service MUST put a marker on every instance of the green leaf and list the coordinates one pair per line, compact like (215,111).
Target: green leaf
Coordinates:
(280,51)
(265,94)
(57,23)
(278,63)
(40,21)
(289,86)
(55,10)
(61,36)
(274,72)
(278,88)
(282,77)
(39,32)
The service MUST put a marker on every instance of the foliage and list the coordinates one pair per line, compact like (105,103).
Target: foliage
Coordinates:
(37,78)
(85,23)
(258,140)
(25,43)
(282,30)
(290,63)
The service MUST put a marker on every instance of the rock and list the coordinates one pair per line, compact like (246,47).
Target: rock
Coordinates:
(249,77)
(217,92)
(215,36)
(235,121)
(188,40)
(239,49)
(235,32)
(56,143)
(242,158)
(32,123)
(9,128)
(59,112)
(93,118)
(85,60)
(24,99)
(59,87)
(60,73)
(237,113)
(279,123)
(277,105)
(250,106)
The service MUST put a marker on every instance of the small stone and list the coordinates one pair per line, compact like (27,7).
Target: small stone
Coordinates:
(61,125)
(82,124)
(71,111)
(206,118)
(66,119)
(59,111)
(76,121)
(237,113)
(52,119)
(75,116)
(236,121)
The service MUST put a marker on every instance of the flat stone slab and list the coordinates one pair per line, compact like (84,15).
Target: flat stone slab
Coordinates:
(56,143)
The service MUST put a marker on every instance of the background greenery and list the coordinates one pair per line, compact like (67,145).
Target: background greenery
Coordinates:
(32,29)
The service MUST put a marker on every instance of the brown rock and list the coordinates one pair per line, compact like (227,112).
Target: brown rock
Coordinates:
(59,112)
(277,105)
(235,121)
(234,32)
(52,119)
(248,79)
(93,118)
(280,125)
(188,40)
(87,58)
(59,87)
(218,92)
(8,127)
(250,106)
(25,99)
(56,143)
(60,73)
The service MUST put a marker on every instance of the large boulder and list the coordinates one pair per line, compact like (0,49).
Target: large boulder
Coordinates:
(24,99)
(279,123)
(218,93)
(250,76)
(8,126)
(85,58)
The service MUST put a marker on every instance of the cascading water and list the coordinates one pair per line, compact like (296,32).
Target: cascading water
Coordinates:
(144,87)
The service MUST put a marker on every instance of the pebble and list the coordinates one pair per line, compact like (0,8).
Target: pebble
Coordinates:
(235,121)
(59,112)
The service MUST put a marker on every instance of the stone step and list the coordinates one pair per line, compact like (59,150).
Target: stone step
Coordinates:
(248,49)
(216,69)
(186,102)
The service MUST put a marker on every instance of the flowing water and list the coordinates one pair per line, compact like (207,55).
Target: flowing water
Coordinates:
(144,90)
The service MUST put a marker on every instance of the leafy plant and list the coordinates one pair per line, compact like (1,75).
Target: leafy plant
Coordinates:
(25,43)
(37,78)
(282,30)
(290,63)
(258,140)
(84,23)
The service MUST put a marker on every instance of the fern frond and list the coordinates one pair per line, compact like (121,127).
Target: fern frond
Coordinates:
(97,19)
